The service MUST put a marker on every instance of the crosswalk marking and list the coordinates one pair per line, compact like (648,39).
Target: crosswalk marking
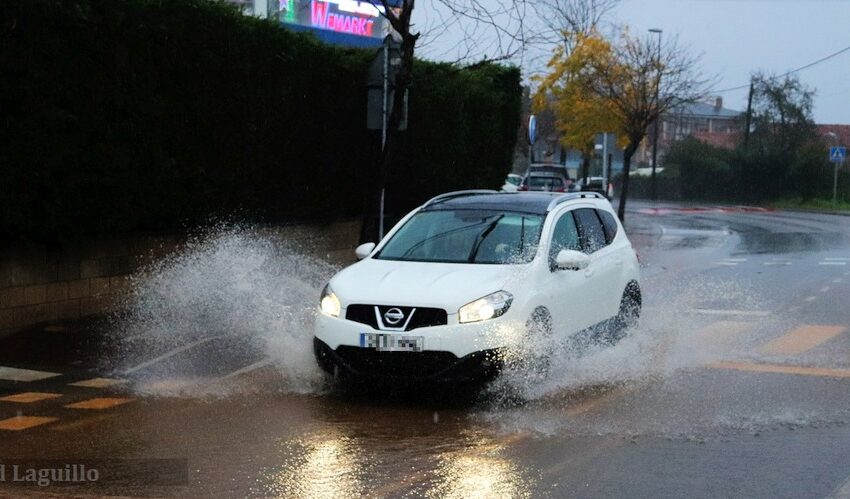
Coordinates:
(19,423)
(98,383)
(832,263)
(753,313)
(810,298)
(99,403)
(24,375)
(781,369)
(801,340)
(774,264)
(30,397)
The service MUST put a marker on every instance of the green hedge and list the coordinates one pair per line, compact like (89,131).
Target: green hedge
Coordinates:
(121,115)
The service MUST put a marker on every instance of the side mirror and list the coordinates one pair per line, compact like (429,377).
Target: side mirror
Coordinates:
(571,259)
(364,250)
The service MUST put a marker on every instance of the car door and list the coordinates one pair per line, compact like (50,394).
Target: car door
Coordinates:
(602,275)
(565,291)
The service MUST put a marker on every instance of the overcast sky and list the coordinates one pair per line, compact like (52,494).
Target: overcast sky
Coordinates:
(735,38)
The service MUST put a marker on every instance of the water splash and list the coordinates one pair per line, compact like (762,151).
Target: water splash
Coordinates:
(245,292)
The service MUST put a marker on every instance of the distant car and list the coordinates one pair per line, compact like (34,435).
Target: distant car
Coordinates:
(596,184)
(512,182)
(548,182)
(550,169)
(434,298)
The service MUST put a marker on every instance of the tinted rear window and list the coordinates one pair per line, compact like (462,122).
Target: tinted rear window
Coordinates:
(610,224)
(590,229)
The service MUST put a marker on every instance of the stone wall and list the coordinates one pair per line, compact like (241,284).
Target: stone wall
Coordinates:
(40,285)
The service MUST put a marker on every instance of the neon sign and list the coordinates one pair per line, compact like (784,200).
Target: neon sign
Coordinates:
(323,18)
(363,19)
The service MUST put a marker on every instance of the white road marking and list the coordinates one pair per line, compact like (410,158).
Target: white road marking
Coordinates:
(825,289)
(836,280)
(727,264)
(736,260)
(252,367)
(810,298)
(753,313)
(837,259)
(170,354)
(24,375)
(832,263)
(842,491)
(777,263)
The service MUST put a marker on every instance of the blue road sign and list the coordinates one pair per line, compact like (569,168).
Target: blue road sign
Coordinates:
(532,129)
(837,154)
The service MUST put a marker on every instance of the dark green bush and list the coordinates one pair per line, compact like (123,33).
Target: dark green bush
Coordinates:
(121,115)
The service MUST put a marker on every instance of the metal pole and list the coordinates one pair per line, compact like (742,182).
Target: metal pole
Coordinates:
(384,135)
(653,189)
(605,161)
(835,183)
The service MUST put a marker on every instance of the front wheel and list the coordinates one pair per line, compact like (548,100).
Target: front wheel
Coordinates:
(630,306)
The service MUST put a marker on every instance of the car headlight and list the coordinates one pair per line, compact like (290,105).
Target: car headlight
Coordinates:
(489,307)
(329,303)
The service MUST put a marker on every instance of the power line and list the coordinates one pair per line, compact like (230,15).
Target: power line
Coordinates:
(801,68)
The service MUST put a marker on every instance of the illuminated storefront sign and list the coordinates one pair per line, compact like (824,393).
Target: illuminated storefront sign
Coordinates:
(363,20)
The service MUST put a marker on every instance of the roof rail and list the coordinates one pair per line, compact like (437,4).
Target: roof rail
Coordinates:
(573,195)
(457,194)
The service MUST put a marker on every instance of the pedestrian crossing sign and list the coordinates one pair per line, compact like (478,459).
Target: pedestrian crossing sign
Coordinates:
(837,154)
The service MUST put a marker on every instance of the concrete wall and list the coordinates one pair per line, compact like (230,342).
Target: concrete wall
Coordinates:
(40,285)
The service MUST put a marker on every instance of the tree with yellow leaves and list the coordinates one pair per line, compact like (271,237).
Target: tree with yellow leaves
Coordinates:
(580,114)
(621,86)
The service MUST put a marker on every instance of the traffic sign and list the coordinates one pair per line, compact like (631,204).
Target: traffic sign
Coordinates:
(532,129)
(837,154)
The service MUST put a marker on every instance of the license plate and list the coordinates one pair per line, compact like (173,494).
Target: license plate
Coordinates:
(392,342)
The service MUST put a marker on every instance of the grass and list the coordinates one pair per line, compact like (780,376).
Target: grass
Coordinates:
(817,204)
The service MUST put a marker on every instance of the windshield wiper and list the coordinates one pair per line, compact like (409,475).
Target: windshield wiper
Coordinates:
(480,239)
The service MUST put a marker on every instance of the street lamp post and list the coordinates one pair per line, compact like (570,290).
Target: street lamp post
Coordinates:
(653,189)
(836,164)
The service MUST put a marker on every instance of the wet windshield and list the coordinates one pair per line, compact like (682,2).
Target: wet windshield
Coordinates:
(466,236)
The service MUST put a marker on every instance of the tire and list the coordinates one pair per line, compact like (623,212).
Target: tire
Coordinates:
(630,306)
(538,332)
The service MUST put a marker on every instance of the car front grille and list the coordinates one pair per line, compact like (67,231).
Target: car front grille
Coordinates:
(396,364)
(422,316)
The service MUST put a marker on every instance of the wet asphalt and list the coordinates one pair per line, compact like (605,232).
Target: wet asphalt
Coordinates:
(735,384)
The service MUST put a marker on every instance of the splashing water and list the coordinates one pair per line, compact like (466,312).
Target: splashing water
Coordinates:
(249,288)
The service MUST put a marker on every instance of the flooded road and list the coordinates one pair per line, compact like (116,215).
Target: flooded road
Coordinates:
(735,383)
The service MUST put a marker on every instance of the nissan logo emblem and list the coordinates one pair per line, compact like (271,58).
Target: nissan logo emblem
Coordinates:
(393,316)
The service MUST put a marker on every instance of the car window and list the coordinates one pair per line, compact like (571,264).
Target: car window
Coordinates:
(610,225)
(590,229)
(465,236)
(564,236)
(546,182)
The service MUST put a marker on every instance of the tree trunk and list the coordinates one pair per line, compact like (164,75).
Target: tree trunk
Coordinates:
(624,190)
(585,167)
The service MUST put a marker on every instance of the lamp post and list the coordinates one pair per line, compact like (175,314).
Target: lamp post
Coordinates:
(653,191)
(836,164)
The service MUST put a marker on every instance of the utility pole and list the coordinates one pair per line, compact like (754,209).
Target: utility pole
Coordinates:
(749,115)
(653,188)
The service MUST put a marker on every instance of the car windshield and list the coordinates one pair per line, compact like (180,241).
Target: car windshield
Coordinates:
(466,236)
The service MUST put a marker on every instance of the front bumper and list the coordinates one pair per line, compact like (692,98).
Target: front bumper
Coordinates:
(451,351)
(423,366)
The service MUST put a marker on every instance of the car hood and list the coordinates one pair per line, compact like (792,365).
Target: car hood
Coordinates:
(421,284)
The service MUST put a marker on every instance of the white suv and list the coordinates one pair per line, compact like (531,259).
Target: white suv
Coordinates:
(469,275)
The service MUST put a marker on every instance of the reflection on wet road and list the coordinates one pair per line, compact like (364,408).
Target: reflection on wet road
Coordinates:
(736,383)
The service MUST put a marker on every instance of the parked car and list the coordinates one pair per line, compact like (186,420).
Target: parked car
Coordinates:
(550,182)
(600,185)
(512,182)
(468,276)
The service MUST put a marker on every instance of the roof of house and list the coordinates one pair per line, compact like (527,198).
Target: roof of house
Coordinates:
(842,132)
(706,110)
